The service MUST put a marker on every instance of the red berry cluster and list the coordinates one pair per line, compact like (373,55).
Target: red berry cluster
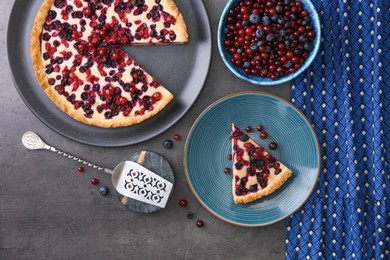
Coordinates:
(269,38)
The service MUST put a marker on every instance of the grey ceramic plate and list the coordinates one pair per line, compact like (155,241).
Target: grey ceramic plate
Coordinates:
(182,68)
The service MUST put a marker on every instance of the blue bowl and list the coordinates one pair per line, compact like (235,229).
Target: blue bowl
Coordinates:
(239,72)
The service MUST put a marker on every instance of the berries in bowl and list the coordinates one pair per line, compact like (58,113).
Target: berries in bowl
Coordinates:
(268,42)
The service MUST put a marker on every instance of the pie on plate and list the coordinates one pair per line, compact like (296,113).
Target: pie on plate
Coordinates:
(78,63)
(256,173)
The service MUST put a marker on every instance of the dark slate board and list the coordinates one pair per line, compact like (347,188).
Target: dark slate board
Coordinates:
(157,164)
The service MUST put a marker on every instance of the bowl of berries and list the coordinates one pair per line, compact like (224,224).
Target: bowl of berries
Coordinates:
(268,42)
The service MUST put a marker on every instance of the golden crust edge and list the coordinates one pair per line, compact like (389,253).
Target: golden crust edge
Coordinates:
(35,49)
(281,179)
(180,25)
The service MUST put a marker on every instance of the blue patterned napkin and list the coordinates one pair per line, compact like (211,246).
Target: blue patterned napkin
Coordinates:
(346,96)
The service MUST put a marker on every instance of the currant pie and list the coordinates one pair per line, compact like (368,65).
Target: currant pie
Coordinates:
(78,63)
(256,173)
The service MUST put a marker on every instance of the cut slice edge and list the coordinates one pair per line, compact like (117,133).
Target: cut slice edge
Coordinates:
(243,191)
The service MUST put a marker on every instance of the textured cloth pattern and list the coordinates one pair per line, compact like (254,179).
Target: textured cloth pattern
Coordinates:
(345,94)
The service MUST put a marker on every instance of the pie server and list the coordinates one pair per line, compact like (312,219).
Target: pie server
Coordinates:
(128,178)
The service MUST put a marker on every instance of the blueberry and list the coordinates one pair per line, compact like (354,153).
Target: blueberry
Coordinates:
(190,215)
(293,16)
(244,138)
(270,37)
(308,46)
(291,37)
(239,50)
(278,171)
(260,33)
(265,20)
(287,2)
(289,64)
(297,52)
(260,43)
(287,25)
(254,47)
(254,18)
(226,30)
(245,23)
(268,49)
(303,38)
(273,145)
(282,33)
(239,165)
(281,21)
(275,18)
(247,64)
(103,190)
(279,9)
(168,144)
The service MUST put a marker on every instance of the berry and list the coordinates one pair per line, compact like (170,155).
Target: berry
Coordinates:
(264,135)
(94,181)
(190,215)
(80,168)
(183,203)
(266,20)
(103,190)
(176,137)
(273,146)
(254,18)
(227,170)
(260,128)
(229,157)
(260,33)
(168,144)
(199,223)
(248,129)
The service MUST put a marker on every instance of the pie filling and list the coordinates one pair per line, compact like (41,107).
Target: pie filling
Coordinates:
(82,61)
(253,167)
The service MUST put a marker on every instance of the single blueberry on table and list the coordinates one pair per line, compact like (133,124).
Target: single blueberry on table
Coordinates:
(168,144)
(103,190)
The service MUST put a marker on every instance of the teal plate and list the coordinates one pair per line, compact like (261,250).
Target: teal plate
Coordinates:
(208,145)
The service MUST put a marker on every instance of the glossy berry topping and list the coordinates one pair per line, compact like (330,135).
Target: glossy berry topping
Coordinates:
(103,190)
(94,181)
(176,137)
(183,203)
(227,170)
(168,144)
(273,146)
(199,223)
(80,168)
(269,39)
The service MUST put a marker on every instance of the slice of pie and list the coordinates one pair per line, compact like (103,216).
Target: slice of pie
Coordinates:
(77,61)
(256,173)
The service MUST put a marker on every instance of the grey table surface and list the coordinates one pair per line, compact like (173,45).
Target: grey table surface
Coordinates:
(50,211)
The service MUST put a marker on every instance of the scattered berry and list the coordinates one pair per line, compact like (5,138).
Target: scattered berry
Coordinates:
(199,223)
(273,146)
(94,181)
(168,144)
(260,128)
(80,168)
(248,129)
(103,190)
(183,203)
(264,135)
(229,157)
(176,137)
(227,170)
(190,215)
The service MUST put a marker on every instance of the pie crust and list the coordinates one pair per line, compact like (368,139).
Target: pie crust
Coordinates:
(273,181)
(99,120)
